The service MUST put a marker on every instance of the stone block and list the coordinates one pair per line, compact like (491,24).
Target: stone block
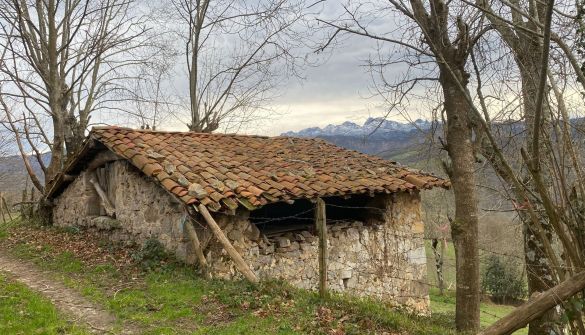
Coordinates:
(418,227)
(345,274)
(269,249)
(283,242)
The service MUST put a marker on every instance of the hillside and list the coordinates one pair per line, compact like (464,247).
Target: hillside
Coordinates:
(13,176)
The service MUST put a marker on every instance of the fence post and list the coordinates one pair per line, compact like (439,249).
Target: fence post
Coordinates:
(32,201)
(320,223)
(6,207)
(2,207)
(22,204)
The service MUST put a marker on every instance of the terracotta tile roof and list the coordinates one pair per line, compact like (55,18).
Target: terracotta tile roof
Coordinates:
(226,171)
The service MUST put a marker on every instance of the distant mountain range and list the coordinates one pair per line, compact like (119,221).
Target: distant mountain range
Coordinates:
(375,128)
(377,136)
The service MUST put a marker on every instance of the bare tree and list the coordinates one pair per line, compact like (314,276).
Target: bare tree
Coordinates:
(236,54)
(447,33)
(65,61)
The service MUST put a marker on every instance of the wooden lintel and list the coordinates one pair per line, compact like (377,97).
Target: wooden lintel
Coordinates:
(227,245)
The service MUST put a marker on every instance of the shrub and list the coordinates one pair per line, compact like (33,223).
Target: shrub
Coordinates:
(503,281)
(150,255)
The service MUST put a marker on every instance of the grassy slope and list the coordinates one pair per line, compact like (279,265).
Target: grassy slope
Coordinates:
(174,300)
(25,312)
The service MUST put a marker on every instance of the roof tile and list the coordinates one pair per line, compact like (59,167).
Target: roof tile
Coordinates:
(232,170)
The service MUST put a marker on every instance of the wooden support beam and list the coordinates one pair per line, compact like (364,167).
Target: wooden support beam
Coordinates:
(234,254)
(197,247)
(535,307)
(321,225)
(110,209)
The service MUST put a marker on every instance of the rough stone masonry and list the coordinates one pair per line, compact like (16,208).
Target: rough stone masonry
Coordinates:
(381,256)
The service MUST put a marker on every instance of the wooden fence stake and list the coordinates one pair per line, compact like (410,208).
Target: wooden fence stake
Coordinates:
(197,247)
(6,207)
(537,306)
(32,201)
(234,254)
(320,223)
(1,208)
(22,208)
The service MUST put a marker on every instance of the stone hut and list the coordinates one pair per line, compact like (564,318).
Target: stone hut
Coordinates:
(208,198)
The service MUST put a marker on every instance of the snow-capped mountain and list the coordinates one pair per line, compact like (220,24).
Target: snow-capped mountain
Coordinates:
(373,127)
(376,136)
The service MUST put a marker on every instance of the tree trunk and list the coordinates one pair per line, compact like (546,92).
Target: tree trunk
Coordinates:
(464,227)
(541,276)
(58,149)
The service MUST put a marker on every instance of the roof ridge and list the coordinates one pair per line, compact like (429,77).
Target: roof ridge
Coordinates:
(179,132)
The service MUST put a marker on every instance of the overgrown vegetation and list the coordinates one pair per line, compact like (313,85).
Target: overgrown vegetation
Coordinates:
(150,254)
(503,281)
(172,299)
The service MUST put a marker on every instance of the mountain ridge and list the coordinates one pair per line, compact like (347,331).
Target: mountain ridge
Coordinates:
(374,128)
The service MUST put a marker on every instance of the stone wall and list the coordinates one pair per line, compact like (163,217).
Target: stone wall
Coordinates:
(383,257)
(143,210)
(372,258)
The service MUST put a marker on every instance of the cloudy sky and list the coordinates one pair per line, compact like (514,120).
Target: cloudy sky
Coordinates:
(338,89)
(335,91)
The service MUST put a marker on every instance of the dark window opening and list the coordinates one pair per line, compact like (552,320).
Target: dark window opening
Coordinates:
(281,217)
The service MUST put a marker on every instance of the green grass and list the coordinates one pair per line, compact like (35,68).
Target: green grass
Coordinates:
(175,300)
(489,312)
(23,311)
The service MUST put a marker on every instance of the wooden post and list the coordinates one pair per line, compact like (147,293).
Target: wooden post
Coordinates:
(6,207)
(22,204)
(320,223)
(32,202)
(234,254)
(1,208)
(537,306)
(197,247)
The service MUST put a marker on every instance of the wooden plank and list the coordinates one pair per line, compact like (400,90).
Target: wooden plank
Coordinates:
(232,252)
(110,210)
(197,247)
(537,306)
(321,225)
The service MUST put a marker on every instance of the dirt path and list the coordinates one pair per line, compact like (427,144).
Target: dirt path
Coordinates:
(68,301)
